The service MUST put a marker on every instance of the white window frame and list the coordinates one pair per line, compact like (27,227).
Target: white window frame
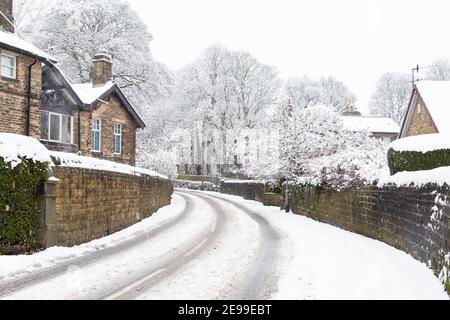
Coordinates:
(60,115)
(10,67)
(99,130)
(120,136)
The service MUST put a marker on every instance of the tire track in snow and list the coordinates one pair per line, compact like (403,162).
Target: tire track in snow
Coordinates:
(11,286)
(132,288)
(262,277)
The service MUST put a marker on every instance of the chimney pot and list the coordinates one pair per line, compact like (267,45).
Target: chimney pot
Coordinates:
(101,68)
(6,8)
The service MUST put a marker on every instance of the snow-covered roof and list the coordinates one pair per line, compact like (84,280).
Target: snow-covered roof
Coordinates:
(371,124)
(436,95)
(13,42)
(88,94)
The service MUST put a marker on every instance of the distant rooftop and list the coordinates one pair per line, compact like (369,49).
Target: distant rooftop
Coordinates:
(371,124)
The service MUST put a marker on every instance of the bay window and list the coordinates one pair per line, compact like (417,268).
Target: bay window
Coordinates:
(56,127)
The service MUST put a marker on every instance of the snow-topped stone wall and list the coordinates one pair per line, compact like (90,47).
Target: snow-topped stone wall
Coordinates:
(83,204)
(415,220)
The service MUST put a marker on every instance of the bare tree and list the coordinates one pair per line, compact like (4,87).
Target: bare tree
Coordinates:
(75,30)
(392,95)
(439,70)
(28,11)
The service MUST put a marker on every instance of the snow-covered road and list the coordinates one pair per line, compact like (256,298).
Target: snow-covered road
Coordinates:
(214,246)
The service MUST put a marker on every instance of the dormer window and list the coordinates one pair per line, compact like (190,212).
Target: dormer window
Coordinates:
(8,66)
(419,108)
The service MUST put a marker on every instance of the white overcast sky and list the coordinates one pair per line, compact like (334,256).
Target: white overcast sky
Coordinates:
(353,40)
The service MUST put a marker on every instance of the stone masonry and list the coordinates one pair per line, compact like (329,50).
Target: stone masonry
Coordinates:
(13,97)
(110,112)
(6,6)
(421,122)
(87,204)
(415,220)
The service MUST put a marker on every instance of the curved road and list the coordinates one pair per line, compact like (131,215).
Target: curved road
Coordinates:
(214,249)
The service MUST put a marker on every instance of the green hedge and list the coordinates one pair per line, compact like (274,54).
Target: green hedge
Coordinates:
(19,203)
(416,161)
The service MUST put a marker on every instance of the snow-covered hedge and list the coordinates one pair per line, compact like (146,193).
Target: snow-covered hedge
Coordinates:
(423,143)
(418,153)
(14,148)
(24,165)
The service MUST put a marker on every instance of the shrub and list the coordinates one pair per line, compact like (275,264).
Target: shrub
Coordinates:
(19,203)
(400,161)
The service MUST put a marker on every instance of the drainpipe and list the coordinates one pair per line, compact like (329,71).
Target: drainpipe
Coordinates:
(79,129)
(28,115)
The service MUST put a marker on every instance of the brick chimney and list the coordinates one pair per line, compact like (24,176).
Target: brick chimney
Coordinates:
(102,68)
(6,8)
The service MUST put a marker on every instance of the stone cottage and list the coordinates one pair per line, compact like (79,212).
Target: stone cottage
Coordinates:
(428,110)
(36,99)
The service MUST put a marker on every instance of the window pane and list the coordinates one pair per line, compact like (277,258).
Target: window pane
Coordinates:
(95,140)
(8,66)
(118,129)
(66,129)
(96,124)
(117,144)
(44,125)
(55,127)
(7,72)
(8,61)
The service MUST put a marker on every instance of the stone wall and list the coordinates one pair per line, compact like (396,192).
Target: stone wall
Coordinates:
(87,204)
(250,190)
(415,220)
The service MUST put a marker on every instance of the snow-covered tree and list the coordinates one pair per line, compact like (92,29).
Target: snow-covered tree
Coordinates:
(222,93)
(315,144)
(305,92)
(75,30)
(439,70)
(27,11)
(392,96)
(259,153)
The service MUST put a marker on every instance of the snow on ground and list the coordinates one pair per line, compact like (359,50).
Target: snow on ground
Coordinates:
(15,266)
(13,146)
(211,275)
(319,261)
(330,263)
(76,161)
(423,143)
(439,176)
